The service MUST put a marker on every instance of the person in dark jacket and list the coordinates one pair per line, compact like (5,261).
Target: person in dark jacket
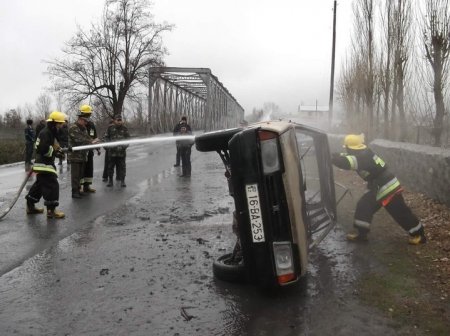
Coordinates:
(106,160)
(30,138)
(117,155)
(185,148)
(63,137)
(176,131)
(40,127)
(46,184)
(384,190)
(88,176)
(78,136)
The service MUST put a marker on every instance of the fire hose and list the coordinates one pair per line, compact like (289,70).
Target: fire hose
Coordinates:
(16,196)
(93,146)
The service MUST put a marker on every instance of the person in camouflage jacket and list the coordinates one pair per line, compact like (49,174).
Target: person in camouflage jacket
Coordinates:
(117,155)
(78,136)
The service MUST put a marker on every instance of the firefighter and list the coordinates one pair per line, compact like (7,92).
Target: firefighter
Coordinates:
(46,184)
(78,136)
(384,190)
(86,180)
(30,138)
(117,155)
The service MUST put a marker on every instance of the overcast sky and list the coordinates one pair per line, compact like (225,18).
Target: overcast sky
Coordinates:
(261,50)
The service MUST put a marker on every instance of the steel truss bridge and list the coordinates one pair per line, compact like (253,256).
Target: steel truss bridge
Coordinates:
(193,92)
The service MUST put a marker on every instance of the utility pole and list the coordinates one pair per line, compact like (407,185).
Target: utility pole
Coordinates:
(333,54)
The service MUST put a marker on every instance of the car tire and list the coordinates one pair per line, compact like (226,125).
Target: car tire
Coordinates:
(214,141)
(227,270)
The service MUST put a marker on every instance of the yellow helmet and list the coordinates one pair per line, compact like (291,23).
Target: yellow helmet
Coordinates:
(86,109)
(57,116)
(354,141)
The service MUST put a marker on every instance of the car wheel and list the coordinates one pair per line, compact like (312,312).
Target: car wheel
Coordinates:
(213,141)
(227,268)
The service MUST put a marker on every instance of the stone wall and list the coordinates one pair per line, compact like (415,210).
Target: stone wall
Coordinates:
(422,169)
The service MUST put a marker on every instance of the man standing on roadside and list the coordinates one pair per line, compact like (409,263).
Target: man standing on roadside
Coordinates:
(117,155)
(78,136)
(177,131)
(30,138)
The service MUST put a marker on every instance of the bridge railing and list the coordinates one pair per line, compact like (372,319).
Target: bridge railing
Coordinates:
(193,92)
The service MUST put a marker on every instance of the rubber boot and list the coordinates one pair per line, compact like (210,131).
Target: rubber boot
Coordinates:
(110,182)
(87,188)
(76,194)
(357,236)
(32,210)
(53,213)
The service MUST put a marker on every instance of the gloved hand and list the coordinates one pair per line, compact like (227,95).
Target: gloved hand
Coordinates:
(56,147)
(60,154)
(335,156)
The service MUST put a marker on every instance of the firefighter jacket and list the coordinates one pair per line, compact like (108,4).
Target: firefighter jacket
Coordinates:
(92,131)
(372,169)
(45,152)
(78,136)
(116,133)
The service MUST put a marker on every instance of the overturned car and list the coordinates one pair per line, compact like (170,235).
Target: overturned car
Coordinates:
(280,176)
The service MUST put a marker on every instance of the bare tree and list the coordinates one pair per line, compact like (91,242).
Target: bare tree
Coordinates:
(387,21)
(112,58)
(28,111)
(364,49)
(436,43)
(43,103)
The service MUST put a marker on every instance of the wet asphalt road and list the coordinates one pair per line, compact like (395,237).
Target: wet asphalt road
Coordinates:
(138,261)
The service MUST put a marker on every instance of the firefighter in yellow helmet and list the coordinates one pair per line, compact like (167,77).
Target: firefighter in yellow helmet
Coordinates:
(79,136)
(46,184)
(384,190)
(88,175)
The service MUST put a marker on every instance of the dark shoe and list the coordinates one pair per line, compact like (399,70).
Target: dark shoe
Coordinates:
(33,210)
(176,165)
(76,195)
(182,175)
(357,237)
(122,184)
(104,179)
(110,182)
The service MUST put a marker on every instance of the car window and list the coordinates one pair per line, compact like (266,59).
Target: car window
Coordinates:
(318,182)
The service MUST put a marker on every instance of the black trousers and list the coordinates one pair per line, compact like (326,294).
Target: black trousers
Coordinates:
(119,163)
(178,156)
(185,154)
(46,186)
(29,151)
(76,174)
(105,164)
(368,205)
(88,174)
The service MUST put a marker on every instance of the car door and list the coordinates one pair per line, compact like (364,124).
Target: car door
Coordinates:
(318,182)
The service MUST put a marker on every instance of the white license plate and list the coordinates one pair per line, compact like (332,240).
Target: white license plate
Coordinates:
(254,211)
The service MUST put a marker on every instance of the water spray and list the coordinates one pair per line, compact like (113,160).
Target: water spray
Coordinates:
(134,141)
